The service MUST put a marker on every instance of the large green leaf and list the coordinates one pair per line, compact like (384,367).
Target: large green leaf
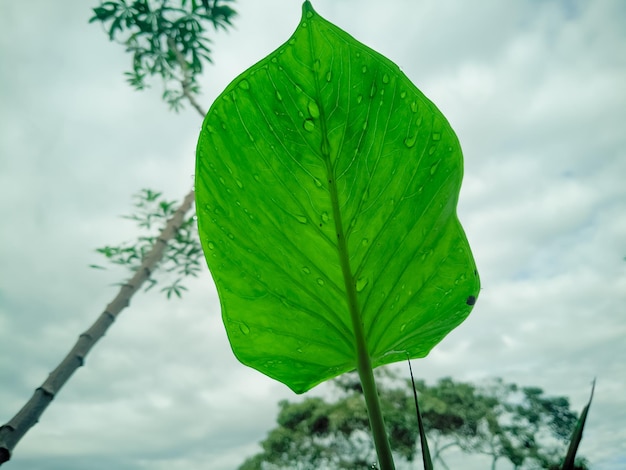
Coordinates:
(327,186)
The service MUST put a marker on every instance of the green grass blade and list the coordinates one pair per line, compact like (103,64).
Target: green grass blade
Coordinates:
(577,435)
(428,463)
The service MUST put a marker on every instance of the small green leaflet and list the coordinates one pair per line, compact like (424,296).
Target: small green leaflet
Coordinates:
(326,192)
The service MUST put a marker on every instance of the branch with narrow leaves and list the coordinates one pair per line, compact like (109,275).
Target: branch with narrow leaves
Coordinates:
(182,256)
(28,416)
(159,34)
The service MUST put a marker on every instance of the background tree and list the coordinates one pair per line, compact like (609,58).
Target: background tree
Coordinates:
(503,421)
(520,424)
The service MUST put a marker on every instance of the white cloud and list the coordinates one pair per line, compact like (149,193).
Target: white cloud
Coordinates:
(535,92)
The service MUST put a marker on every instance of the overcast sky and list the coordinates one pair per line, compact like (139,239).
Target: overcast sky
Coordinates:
(536,91)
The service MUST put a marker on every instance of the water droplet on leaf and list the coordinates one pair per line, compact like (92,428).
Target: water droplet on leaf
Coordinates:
(361,283)
(245,329)
(244,84)
(314,110)
(410,141)
(309,125)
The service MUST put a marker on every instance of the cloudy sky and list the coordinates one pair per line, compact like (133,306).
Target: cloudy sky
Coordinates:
(535,90)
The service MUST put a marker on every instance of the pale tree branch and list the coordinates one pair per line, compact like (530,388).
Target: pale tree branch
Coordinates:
(439,451)
(192,100)
(187,78)
(28,416)
(13,431)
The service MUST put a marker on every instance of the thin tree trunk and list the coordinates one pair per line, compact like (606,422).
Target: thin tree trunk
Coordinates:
(193,101)
(439,451)
(185,82)
(27,417)
(439,458)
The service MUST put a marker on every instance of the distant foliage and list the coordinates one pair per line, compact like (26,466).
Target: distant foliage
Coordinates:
(166,38)
(182,255)
(517,425)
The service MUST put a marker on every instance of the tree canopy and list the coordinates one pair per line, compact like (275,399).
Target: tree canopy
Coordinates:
(500,420)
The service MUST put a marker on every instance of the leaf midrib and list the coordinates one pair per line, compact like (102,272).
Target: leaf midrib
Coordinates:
(361,353)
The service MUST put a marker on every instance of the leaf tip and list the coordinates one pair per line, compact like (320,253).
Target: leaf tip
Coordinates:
(307,9)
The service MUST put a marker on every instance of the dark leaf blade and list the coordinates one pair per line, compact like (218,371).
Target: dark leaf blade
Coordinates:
(326,137)
(569,463)
(426,458)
